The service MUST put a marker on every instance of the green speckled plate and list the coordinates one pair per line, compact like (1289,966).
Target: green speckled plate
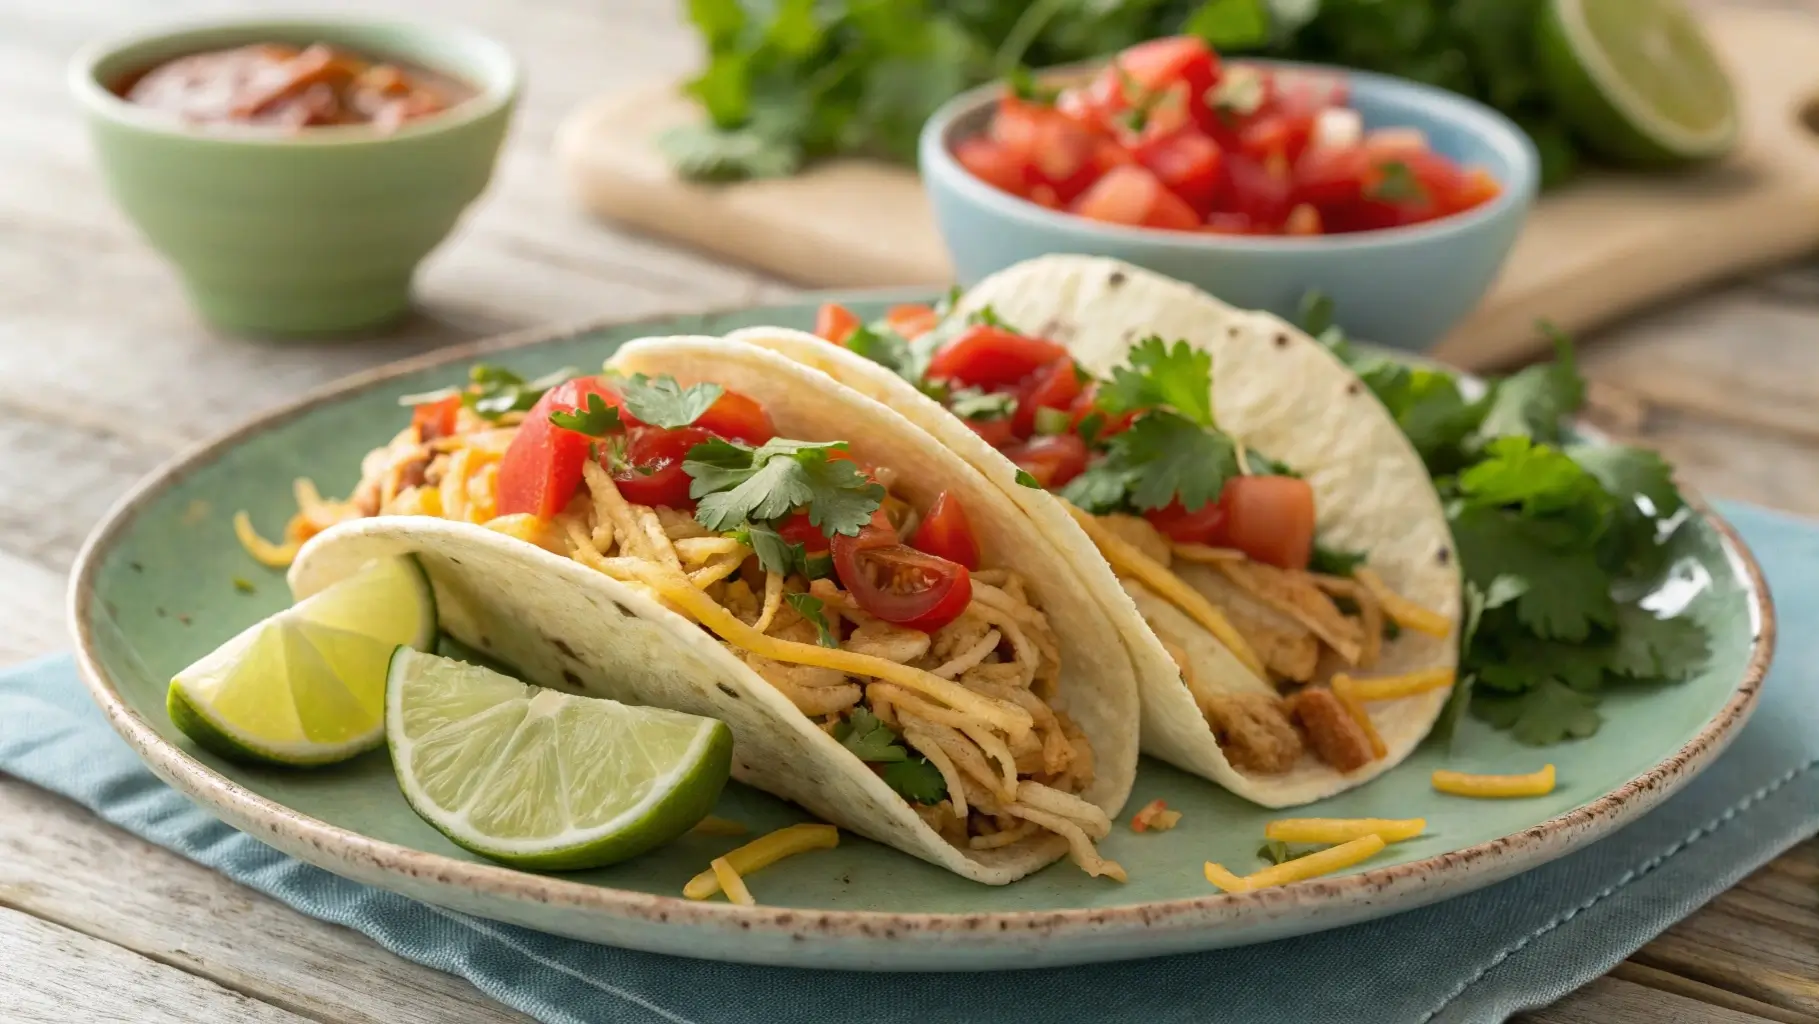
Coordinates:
(156,589)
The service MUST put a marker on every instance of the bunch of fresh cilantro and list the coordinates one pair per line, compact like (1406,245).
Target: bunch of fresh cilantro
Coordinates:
(788,81)
(1560,542)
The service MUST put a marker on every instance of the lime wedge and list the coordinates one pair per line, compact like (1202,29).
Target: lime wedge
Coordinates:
(1637,79)
(542,779)
(307,686)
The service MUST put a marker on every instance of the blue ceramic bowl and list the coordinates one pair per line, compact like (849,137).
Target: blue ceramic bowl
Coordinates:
(1403,287)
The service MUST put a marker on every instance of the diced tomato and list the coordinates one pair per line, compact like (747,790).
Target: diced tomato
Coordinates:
(996,433)
(798,530)
(1084,406)
(1331,176)
(1052,460)
(1221,223)
(945,533)
(1187,163)
(1056,150)
(912,321)
(835,322)
(436,419)
(898,583)
(993,164)
(1475,189)
(989,357)
(1281,135)
(1300,91)
(1133,195)
(650,472)
(1270,518)
(1055,386)
(737,418)
(1259,190)
(1204,525)
(541,469)
(1160,63)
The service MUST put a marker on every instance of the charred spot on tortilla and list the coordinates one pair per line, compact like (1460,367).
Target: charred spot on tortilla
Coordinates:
(559,644)
(1281,339)
(1130,334)
(1353,387)
(455,560)
(486,641)
(569,677)
(729,691)
(622,610)
(1442,556)
(1116,279)
(1232,330)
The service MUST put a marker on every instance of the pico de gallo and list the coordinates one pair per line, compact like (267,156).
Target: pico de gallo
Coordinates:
(885,624)
(1168,136)
(1221,532)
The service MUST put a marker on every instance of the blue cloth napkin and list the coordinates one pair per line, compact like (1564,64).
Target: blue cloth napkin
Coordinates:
(1478,958)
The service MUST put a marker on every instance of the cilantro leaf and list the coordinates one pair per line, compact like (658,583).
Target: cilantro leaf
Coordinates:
(1540,480)
(1024,85)
(1100,489)
(737,484)
(1521,667)
(1535,401)
(1334,562)
(866,736)
(780,556)
(809,607)
(1024,479)
(1547,713)
(1457,702)
(1395,182)
(1230,24)
(1178,458)
(494,390)
(1651,647)
(1626,472)
(1567,593)
(1429,407)
(597,420)
(1178,377)
(1275,851)
(663,402)
(916,780)
(975,404)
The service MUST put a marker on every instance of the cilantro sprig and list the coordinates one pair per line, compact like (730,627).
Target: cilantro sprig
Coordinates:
(662,402)
(492,391)
(597,420)
(870,740)
(811,608)
(1559,542)
(744,488)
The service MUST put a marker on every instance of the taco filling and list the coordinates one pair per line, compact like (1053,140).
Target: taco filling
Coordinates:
(884,624)
(1223,535)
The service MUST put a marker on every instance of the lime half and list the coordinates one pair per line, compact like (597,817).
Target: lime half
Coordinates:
(1638,79)
(542,779)
(307,686)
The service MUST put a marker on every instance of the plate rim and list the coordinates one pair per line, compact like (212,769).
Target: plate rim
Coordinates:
(1480,864)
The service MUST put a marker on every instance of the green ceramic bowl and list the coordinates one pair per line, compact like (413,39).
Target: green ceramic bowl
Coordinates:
(302,233)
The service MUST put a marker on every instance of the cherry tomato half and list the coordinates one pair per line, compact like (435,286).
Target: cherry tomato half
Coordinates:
(945,533)
(1270,518)
(1055,386)
(738,418)
(651,472)
(1205,525)
(989,357)
(436,419)
(835,322)
(1053,461)
(541,468)
(896,582)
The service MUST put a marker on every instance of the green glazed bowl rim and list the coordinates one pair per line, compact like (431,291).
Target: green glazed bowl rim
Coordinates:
(1491,860)
(496,89)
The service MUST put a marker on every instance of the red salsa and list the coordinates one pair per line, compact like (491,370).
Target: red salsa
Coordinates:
(283,86)
(1169,137)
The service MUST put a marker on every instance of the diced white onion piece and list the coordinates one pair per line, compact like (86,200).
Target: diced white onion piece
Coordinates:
(1337,128)
(1391,141)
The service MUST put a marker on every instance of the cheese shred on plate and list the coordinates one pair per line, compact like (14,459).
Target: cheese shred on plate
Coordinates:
(761,853)
(1332,831)
(1539,783)
(731,883)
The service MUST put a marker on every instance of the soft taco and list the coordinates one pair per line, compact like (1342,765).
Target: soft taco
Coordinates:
(715,529)
(1246,509)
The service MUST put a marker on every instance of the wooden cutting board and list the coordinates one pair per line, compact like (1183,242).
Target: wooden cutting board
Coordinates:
(1601,247)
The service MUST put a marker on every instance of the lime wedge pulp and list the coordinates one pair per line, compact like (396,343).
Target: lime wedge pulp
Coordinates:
(307,686)
(542,779)
(1637,79)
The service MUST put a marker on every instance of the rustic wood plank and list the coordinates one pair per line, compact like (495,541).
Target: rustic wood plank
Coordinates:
(1653,977)
(63,866)
(1614,1001)
(31,609)
(57,976)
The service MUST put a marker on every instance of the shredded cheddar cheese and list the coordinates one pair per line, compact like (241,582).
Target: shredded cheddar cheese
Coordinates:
(277,556)
(1539,783)
(1395,687)
(1404,612)
(761,853)
(1126,559)
(1320,862)
(1219,876)
(1343,830)
(731,883)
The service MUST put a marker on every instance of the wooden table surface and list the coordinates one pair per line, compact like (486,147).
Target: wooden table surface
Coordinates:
(104,374)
